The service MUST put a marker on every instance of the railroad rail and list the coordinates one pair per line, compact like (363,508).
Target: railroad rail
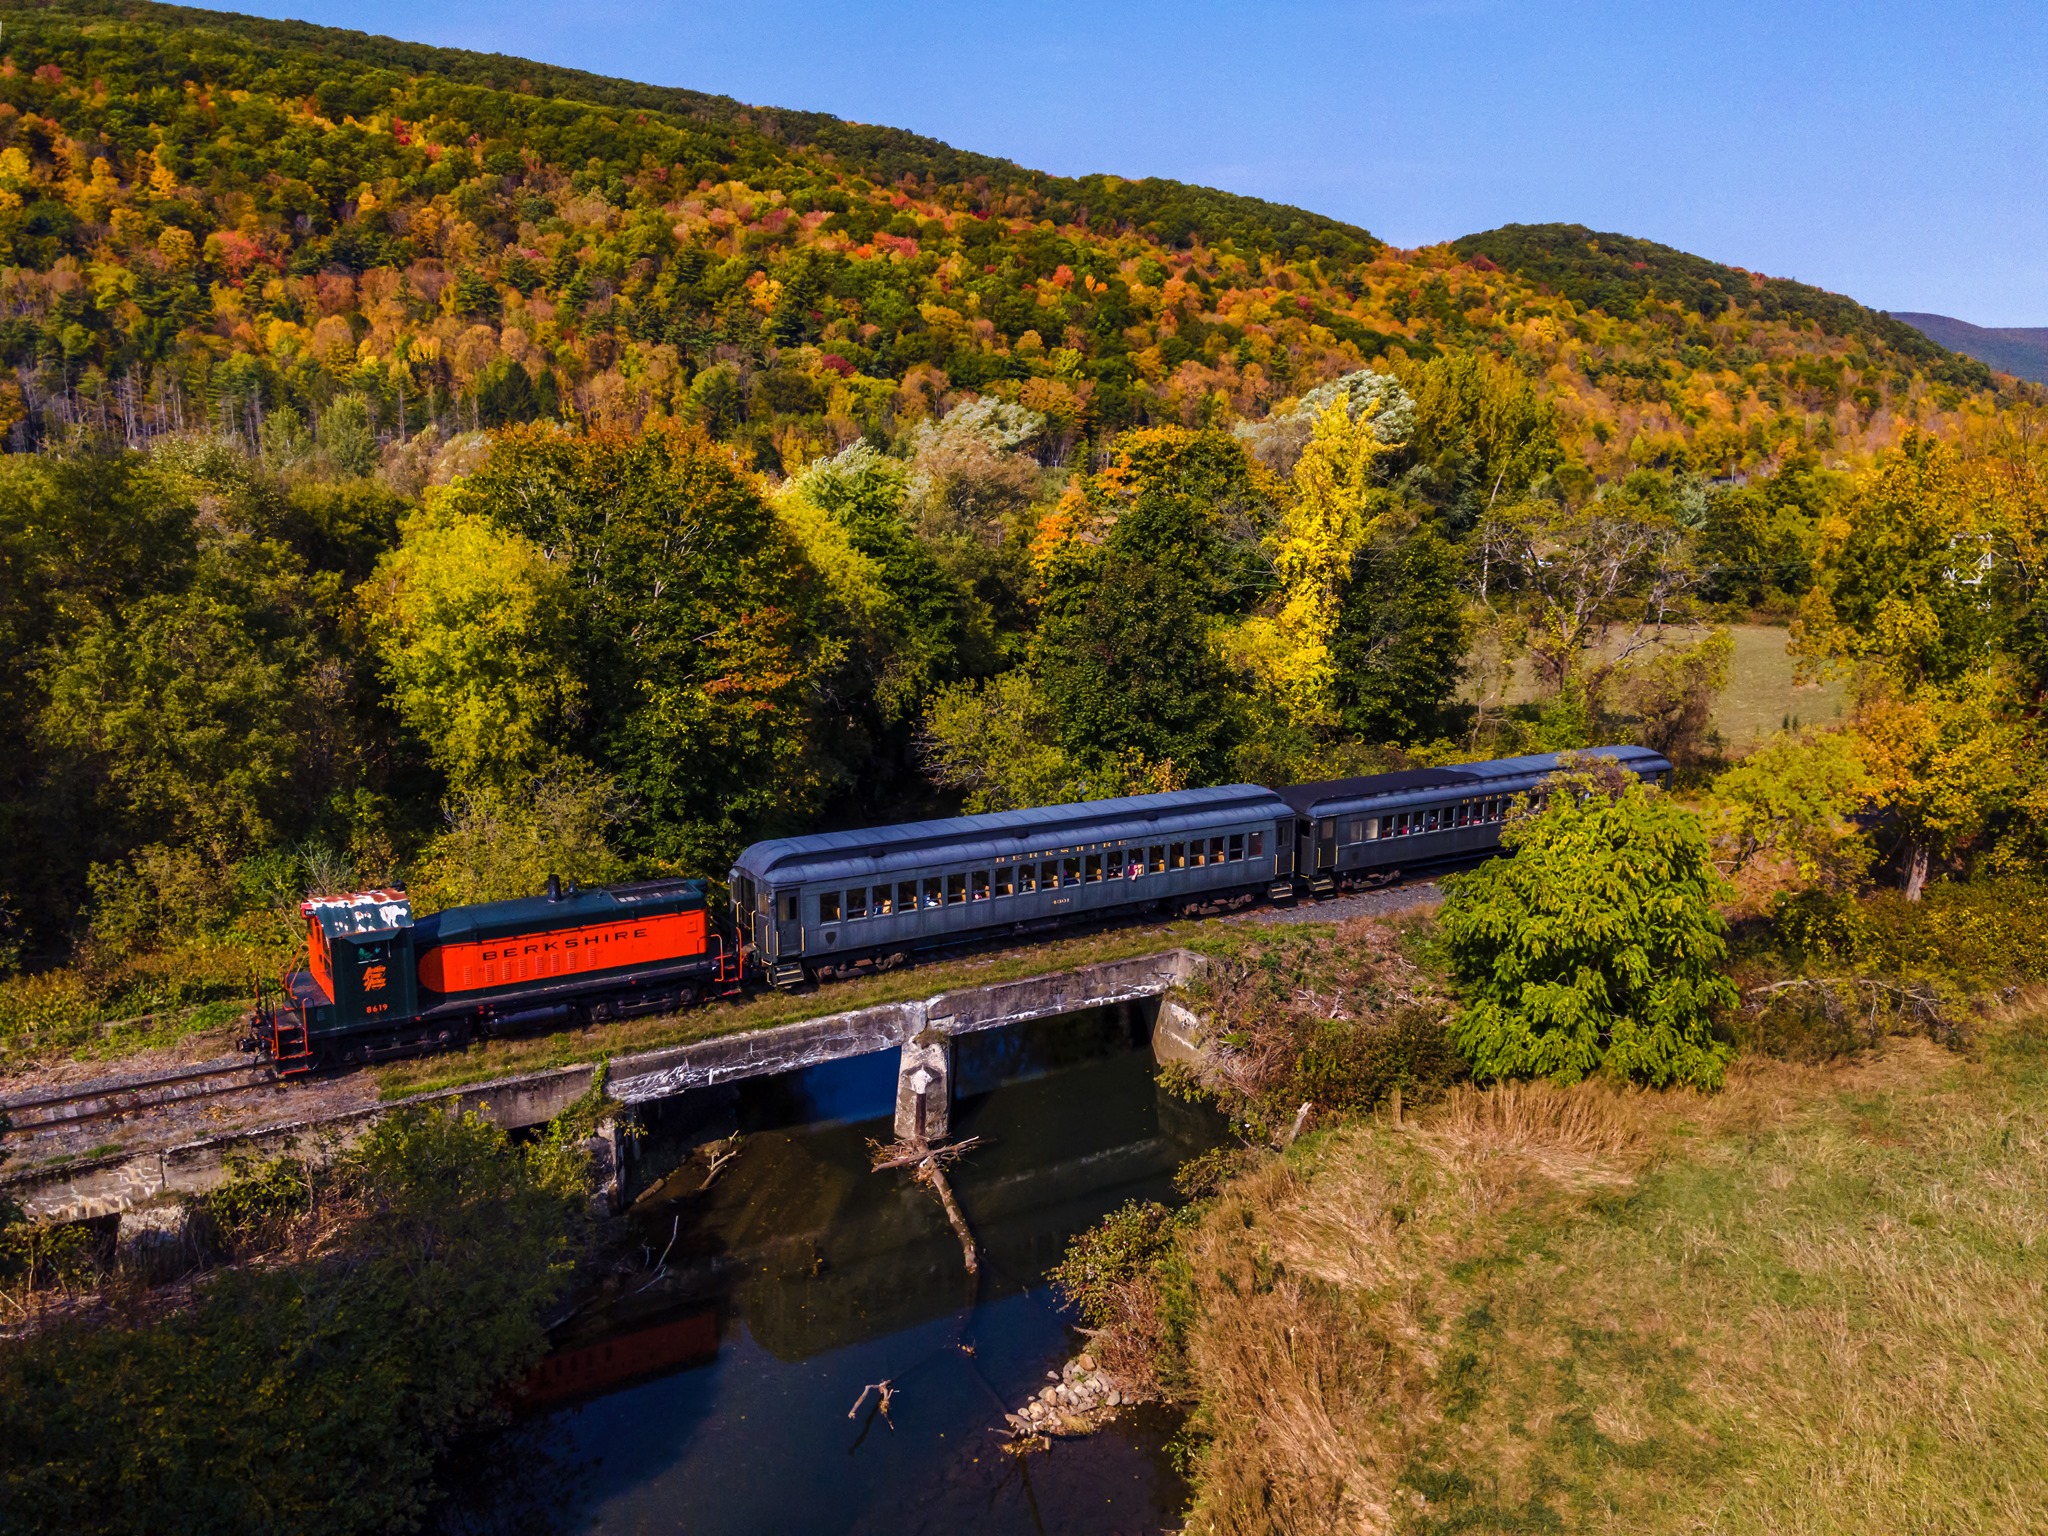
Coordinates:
(87,1102)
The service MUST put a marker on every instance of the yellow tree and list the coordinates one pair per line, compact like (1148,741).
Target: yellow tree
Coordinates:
(1336,509)
(1943,761)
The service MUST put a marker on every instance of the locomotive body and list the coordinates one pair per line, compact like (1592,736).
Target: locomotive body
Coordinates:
(378,981)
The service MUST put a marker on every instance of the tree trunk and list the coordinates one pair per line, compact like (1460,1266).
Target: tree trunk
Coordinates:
(1916,870)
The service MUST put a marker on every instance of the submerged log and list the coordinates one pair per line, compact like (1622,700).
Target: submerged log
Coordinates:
(928,1166)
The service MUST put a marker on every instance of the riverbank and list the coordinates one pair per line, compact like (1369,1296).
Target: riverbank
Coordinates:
(1809,1302)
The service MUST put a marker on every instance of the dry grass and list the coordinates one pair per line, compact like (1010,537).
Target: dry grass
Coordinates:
(1813,1303)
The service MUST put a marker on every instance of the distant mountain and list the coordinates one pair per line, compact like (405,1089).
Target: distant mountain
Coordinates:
(2020,350)
(1627,276)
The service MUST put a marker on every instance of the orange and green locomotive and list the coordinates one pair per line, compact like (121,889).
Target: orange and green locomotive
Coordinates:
(379,982)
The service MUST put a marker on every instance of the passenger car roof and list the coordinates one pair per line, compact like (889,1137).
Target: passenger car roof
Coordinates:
(1001,834)
(1494,774)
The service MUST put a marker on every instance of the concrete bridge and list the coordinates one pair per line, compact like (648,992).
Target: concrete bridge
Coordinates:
(921,1032)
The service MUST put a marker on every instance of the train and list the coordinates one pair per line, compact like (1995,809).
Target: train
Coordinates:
(828,905)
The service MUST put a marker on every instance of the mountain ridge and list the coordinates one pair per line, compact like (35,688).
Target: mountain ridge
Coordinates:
(2020,350)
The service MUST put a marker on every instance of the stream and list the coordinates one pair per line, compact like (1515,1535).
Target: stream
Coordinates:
(714,1398)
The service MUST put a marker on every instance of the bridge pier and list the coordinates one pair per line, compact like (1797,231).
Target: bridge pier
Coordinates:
(924,1087)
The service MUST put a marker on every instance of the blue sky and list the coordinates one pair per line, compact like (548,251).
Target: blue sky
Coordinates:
(1895,152)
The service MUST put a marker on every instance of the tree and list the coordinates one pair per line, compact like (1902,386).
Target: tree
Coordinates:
(921,626)
(1943,762)
(1125,655)
(1482,437)
(477,631)
(1596,947)
(1792,799)
(1337,506)
(1900,575)
(1619,563)
(504,840)
(1398,649)
(995,742)
(701,654)
(348,435)
(1671,693)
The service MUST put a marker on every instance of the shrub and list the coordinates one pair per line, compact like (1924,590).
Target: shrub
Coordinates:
(1596,947)
(310,1395)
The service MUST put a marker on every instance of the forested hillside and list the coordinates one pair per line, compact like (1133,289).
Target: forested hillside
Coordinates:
(444,467)
(210,216)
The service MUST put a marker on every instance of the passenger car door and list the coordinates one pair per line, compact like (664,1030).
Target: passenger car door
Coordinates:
(789,928)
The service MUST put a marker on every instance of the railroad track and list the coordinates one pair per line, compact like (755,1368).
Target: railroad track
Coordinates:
(110,1100)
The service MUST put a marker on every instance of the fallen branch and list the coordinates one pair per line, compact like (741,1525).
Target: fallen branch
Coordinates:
(886,1392)
(720,1159)
(1922,1004)
(928,1166)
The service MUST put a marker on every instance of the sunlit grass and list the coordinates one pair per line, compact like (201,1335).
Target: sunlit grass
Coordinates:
(1811,1304)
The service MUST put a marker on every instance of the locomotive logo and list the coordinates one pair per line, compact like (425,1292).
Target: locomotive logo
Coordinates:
(373,978)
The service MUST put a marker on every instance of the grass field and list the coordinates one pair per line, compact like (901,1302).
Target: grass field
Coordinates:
(1761,696)
(1813,1303)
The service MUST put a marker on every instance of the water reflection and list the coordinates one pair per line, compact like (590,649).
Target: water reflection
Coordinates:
(804,1277)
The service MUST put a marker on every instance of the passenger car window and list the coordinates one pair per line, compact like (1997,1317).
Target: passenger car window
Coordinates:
(880,907)
(1159,858)
(1237,846)
(789,907)
(956,890)
(1006,879)
(906,896)
(1178,859)
(933,895)
(857,902)
(1072,874)
(1215,850)
(828,907)
(1094,868)
(1027,879)
(1258,845)
(977,885)
(1049,875)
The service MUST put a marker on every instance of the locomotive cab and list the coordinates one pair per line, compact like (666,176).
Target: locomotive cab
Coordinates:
(360,951)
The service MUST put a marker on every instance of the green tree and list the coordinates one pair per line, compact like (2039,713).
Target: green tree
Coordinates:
(701,652)
(1399,644)
(1900,575)
(1597,946)
(924,629)
(504,839)
(477,631)
(348,435)
(1125,654)
(1792,799)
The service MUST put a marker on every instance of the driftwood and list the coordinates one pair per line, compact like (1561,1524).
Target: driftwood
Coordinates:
(730,1150)
(928,1165)
(885,1391)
